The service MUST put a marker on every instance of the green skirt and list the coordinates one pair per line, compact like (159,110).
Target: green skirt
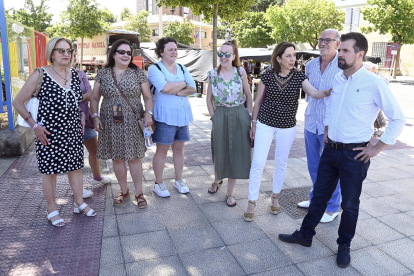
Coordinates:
(230,142)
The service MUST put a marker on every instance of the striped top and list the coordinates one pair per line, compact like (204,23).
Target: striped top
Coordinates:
(315,111)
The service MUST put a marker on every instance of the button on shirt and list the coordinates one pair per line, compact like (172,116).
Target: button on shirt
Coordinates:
(353,107)
(315,111)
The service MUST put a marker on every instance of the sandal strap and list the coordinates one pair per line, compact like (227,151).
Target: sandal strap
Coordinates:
(275,197)
(90,212)
(252,202)
(83,206)
(140,198)
(52,214)
(56,222)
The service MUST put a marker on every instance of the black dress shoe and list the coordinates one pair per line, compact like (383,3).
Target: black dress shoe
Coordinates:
(343,259)
(296,237)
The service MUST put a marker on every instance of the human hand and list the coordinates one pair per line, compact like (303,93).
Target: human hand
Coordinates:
(371,150)
(328,92)
(253,131)
(325,138)
(148,120)
(97,124)
(40,134)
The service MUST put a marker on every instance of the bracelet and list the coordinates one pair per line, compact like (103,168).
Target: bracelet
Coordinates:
(28,117)
(95,115)
(35,126)
(254,121)
(176,94)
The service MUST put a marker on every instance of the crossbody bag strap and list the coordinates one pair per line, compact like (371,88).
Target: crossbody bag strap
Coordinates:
(122,94)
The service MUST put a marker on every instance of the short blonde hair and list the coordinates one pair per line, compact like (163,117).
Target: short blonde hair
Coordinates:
(52,44)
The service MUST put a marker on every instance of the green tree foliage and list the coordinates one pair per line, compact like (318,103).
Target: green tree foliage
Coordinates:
(82,19)
(228,10)
(395,17)
(181,31)
(262,5)
(303,20)
(108,16)
(32,15)
(253,30)
(125,14)
(139,23)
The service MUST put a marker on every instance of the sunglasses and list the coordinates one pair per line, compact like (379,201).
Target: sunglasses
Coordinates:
(122,52)
(227,54)
(61,50)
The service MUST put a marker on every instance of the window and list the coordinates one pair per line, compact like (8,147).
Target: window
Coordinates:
(155,32)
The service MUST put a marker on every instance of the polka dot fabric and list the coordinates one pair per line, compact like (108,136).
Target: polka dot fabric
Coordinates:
(59,114)
(280,106)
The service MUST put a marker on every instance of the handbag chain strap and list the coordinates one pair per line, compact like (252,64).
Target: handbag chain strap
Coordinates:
(122,94)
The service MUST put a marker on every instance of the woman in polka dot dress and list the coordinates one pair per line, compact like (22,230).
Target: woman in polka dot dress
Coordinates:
(58,129)
(276,116)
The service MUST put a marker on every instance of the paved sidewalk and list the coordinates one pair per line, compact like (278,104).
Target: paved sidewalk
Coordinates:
(197,234)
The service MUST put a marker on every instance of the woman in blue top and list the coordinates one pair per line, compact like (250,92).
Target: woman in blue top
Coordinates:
(172,112)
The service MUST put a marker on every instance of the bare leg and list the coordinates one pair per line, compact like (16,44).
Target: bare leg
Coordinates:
(158,162)
(49,191)
(92,146)
(76,183)
(275,200)
(120,171)
(178,158)
(135,168)
(230,185)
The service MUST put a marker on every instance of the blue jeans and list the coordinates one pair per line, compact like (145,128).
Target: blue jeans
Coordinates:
(335,165)
(314,147)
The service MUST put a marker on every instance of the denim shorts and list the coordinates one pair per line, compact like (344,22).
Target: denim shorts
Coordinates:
(90,133)
(166,134)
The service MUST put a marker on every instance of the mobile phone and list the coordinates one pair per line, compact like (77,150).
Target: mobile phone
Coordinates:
(117,113)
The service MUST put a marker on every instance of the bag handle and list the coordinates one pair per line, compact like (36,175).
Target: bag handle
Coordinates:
(122,94)
(39,82)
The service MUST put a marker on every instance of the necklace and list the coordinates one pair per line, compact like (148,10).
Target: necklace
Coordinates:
(282,82)
(64,78)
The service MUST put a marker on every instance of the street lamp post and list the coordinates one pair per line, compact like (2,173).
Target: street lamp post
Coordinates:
(160,23)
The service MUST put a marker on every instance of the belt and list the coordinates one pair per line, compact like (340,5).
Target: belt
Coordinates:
(342,146)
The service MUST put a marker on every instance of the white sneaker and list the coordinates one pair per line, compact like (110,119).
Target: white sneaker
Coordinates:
(181,187)
(304,204)
(161,190)
(328,218)
(87,193)
(105,180)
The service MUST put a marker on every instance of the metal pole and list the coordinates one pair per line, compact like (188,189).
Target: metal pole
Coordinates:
(200,29)
(6,65)
(160,23)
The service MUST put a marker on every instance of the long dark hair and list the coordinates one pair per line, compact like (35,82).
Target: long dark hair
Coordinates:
(278,52)
(112,52)
(236,62)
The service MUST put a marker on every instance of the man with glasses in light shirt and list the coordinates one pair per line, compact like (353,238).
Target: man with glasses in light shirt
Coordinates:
(356,98)
(320,72)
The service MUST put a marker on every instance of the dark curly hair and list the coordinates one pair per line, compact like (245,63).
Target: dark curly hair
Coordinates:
(160,45)
(112,52)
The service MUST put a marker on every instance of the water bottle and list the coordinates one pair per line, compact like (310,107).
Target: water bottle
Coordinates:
(148,138)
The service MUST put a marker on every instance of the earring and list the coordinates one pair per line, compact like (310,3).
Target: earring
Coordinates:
(52,59)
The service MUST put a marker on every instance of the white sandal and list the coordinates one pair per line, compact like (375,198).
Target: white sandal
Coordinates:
(56,222)
(79,209)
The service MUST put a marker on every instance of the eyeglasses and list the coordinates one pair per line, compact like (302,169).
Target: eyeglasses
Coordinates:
(326,40)
(61,50)
(122,52)
(221,54)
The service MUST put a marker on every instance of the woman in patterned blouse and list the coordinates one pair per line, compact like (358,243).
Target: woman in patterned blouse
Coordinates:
(274,114)
(230,141)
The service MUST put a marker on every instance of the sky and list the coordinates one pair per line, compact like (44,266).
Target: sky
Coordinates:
(58,6)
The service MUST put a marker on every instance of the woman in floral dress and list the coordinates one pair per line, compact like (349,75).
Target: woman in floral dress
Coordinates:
(230,141)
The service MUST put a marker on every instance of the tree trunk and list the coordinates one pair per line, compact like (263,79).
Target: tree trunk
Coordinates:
(215,35)
(397,58)
(81,55)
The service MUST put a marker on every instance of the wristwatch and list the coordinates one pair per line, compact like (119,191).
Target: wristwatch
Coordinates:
(150,112)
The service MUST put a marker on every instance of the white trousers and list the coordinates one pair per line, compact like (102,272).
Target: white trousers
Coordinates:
(263,139)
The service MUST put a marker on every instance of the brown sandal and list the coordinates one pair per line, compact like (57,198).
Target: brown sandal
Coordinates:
(215,187)
(119,200)
(274,210)
(249,216)
(141,201)
(229,200)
